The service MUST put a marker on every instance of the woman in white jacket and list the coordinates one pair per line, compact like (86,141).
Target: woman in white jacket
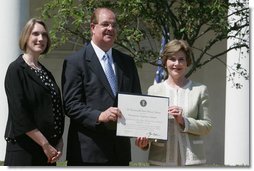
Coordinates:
(189,117)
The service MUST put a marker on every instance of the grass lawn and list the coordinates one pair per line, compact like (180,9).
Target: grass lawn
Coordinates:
(132,164)
(63,164)
(60,164)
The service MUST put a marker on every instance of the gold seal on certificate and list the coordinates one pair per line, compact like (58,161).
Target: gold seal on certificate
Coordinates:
(143,116)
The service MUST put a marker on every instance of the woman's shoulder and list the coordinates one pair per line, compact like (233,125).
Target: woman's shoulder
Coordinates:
(198,87)
(157,85)
(197,84)
(156,88)
(16,64)
(15,70)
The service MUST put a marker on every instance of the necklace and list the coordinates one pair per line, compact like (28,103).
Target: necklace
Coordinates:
(31,64)
(35,67)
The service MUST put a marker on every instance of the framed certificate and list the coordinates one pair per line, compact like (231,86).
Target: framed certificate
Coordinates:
(143,116)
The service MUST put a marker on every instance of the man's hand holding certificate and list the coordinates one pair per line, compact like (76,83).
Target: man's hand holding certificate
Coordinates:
(143,116)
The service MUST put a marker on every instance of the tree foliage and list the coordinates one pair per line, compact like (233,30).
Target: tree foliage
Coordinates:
(142,24)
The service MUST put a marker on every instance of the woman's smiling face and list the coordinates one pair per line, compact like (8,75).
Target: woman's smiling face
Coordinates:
(37,41)
(177,65)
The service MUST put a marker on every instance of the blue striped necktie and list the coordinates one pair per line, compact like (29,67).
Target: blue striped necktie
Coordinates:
(110,73)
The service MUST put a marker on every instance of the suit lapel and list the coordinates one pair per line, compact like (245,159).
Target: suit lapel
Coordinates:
(32,74)
(93,63)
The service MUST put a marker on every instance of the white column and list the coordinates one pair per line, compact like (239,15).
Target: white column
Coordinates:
(237,128)
(13,15)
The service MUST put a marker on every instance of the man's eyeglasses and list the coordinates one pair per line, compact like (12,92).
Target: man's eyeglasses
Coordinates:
(106,25)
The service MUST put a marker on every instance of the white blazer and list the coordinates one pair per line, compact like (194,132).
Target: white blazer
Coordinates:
(183,147)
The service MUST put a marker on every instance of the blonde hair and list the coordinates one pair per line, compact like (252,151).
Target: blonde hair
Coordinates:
(24,35)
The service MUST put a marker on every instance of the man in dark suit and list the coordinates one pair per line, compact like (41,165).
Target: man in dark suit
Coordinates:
(89,98)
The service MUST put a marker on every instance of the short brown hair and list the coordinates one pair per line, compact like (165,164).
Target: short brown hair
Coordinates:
(24,35)
(94,17)
(175,46)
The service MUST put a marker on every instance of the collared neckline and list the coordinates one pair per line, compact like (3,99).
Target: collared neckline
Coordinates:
(100,53)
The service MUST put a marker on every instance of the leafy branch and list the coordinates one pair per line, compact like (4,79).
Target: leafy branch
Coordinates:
(142,24)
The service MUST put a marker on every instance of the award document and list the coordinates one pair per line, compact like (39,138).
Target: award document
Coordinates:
(143,116)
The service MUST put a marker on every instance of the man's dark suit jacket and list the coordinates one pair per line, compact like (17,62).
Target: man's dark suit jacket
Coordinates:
(86,93)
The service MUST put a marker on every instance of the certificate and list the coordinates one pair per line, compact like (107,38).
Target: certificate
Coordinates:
(143,116)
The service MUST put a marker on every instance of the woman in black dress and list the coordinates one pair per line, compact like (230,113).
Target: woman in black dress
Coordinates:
(36,120)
